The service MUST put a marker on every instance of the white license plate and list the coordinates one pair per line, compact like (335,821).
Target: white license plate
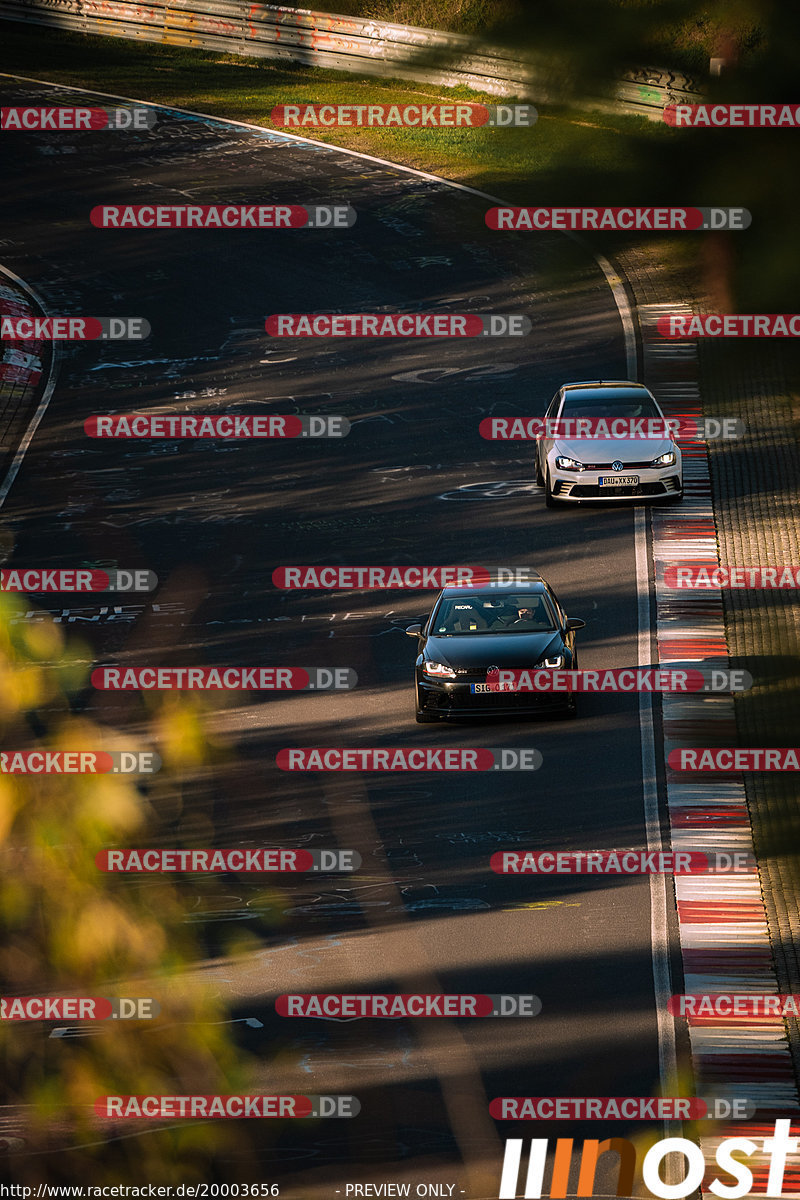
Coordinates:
(485,687)
(618,481)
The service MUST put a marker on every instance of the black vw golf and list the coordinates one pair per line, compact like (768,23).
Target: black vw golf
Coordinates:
(474,631)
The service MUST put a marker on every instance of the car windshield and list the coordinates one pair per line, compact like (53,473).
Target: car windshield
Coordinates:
(458,615)
(636,404)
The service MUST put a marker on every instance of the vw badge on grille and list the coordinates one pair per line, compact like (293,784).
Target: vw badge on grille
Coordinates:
(617,465)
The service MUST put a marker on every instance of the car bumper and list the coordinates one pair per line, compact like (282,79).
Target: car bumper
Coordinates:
(584,485)
(453,700)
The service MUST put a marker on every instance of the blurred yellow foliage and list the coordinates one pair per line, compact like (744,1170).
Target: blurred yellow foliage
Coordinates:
(70,929)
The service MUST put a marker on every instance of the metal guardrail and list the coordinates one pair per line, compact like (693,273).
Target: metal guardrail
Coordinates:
(340,43)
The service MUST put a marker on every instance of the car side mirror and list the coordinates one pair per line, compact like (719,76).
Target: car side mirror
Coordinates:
(575,623)
(414,631)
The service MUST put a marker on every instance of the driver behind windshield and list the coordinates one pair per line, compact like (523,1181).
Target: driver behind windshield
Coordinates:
(492,615)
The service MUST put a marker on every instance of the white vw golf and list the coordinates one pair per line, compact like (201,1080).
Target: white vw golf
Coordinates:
(572,465)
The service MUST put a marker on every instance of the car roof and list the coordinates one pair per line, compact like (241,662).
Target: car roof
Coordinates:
(535,586)
(605,383)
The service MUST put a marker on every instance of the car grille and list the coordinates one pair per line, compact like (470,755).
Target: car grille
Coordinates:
(468,702)
(642,489)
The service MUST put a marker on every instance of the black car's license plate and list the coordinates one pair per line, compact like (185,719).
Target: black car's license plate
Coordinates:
(487,687)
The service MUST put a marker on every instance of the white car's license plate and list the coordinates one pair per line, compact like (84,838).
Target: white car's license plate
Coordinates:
(618,481)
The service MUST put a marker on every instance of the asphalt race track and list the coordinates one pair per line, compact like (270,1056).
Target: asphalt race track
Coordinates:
(413,483)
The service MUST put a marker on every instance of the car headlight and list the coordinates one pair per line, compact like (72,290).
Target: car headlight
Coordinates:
(568,464)
(664,460)
(558,661)
(438,670)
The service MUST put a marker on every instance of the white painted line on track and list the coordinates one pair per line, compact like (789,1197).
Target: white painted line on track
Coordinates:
(659,884)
